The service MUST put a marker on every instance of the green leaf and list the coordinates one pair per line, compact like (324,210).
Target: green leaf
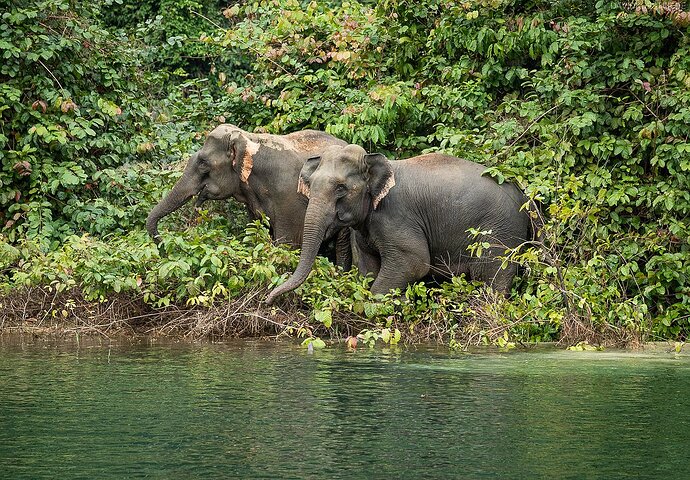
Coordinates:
(324,316)
(315,343)
(386,335)
(69,179)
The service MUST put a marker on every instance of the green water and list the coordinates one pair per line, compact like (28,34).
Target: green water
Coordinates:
(266,410)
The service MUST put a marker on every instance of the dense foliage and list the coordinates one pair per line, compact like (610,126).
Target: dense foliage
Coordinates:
(586,105)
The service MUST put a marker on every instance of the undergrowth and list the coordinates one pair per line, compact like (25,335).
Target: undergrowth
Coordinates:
(204,283)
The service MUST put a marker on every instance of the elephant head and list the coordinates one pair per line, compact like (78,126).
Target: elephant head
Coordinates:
(343,185)
(215,172)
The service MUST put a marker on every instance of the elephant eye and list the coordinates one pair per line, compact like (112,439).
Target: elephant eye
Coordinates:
(340,189)
(203,165)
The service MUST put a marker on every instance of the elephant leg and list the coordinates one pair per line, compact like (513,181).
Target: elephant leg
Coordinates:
(284,233)
(400,268)
(368,259)
(368,264)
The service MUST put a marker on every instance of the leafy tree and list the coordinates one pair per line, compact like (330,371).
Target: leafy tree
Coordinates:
(72,109)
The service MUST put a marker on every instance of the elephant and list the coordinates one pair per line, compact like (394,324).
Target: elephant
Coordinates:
(411,217)
(258,170)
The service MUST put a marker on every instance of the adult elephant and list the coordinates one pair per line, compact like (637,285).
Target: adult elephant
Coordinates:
(258,170)
(411,217)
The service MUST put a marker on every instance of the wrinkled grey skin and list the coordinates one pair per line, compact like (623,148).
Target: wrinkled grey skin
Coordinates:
(410,216)
(258,170)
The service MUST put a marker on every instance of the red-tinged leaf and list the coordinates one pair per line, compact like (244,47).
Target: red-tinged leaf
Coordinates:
(39,104)
(22,168)
(67,106)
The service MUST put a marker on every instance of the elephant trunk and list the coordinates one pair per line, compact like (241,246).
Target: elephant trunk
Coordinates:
(316,222)
(177,197)
(343,249)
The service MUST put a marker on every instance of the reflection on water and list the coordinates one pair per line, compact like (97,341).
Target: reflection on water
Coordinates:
(261,410)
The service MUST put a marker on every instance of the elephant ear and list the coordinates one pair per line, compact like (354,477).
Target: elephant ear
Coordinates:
(381,178)
(241,151)
(308,169)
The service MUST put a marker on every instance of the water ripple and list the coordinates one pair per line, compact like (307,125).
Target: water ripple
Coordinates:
(262,410)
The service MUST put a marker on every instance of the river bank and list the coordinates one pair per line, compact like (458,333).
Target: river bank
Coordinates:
(43,312)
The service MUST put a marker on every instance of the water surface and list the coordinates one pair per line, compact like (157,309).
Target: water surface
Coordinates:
(267,410)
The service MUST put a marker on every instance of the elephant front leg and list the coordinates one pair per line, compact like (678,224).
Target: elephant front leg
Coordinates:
(400,268)
(368,259)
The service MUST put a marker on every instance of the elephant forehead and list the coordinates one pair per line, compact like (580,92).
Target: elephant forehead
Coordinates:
(348,158)
(219,136)
(212,147)
(222,130)
(331,173)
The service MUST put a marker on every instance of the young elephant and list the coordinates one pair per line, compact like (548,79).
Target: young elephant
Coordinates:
(411,217)
(259,170)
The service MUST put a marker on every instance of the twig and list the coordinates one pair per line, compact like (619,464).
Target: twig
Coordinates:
(505,152)
(54,77)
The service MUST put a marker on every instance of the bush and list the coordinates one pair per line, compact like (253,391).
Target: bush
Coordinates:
(583,104)
(66,123)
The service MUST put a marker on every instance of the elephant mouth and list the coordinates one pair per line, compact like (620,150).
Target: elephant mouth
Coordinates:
(204,194)
(332,229)
(201,197)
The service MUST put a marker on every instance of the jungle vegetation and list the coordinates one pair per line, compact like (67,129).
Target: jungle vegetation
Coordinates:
(584,104)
